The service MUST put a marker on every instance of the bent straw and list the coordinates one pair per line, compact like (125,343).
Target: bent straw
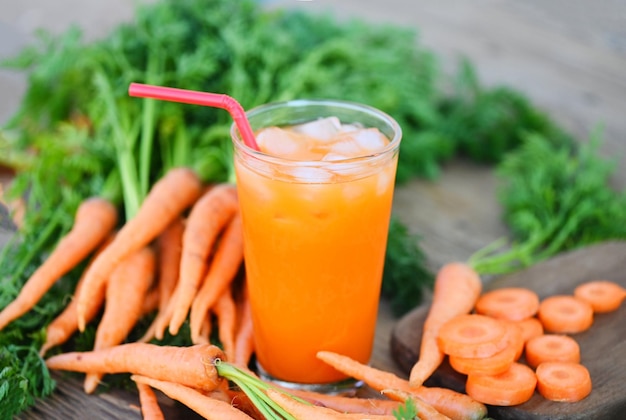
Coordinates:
(193,97)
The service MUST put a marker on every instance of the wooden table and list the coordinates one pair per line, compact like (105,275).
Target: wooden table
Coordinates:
(569,57)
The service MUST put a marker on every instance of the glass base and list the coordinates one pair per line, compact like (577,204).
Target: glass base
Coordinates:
(346,387)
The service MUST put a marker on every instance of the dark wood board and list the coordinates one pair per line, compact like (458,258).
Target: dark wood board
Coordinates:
(603,346)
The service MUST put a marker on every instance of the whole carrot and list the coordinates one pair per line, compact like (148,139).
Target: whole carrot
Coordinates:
(207,407)
(244,337)
(425,411)
(348,404)
(222,270)
(191,366)
(457,288)
(95,219)
(150,409)
(226,312)
(125,293)
(177,190)
(208,217)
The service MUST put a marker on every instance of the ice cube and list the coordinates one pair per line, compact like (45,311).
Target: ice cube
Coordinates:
(320,129)
(332,156)
(346,128)
(310,175)
(369,139)
(279,142)
(346,146)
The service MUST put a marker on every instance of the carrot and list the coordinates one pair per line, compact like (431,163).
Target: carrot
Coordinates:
(208,217)
(472,335)
(305,411)
(424,410)
(565,314)
(94,220)
(151,301)
(192,366)
(602,295)
(495,364)
(150,409)
(244,337)
(446,401)
(207,407)
(510,303)
(347,404)
(552,348)
(226,313)
(531,327)
(173,193)
(457,286)
(125,293)
(222,270)
(512,387)
(204,335)
(563,381)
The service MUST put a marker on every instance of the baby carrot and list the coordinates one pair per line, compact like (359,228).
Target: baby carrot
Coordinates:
(191,366)
(602,295)
(95,219)
(222,270)
(510,303)
(565,314)
(173,193)
(226,313)
(125,293)
(208,217)
(512,387)
(207,407)
(150,409)
(472,335)
(552,348)
(457,286)
(563,381)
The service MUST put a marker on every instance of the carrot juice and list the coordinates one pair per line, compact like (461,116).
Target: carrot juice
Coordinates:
(315,202)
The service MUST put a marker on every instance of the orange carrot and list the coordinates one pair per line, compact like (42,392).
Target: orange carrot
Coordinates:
(208,217)
(151,301)
(191,366)
(125,293)
(563,381)
(495,364)
(446,401)
(173,193)
(347,404)
(226,313)
(150,409)
(513,387)
(204,335)
(531,327)
(95,219)
(244,338)
(472,335)
(222,270)
(424,410)
(565,314)
(552,348)
(602,295)
(457,286)
(305,411)
(207,407)
(510,303)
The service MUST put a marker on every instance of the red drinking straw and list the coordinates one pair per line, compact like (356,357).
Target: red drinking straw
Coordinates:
(193,97)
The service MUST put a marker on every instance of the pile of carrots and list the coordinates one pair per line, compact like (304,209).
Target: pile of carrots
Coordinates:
(180,259)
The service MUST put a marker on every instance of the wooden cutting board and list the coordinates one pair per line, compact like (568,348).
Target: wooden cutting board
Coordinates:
(603,346)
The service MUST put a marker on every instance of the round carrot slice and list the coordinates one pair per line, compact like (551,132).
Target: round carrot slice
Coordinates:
(472,335)
(512,387)
(563,381)
(531,327)
(510,303)
(565,314)
(602,295)
(552,348)
(492,365)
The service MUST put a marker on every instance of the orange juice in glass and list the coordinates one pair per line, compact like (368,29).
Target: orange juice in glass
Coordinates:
(315,202)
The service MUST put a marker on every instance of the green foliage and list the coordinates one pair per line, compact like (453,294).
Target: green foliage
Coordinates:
(406,411)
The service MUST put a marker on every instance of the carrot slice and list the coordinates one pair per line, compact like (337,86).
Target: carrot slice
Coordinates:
(492,365)
(531,327)
(512,387)
(510,303)
(472,335)
(563,381)
(552,348)
(602,295)
(565,314)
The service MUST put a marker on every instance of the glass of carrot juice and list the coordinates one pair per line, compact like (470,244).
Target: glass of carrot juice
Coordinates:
(315,203)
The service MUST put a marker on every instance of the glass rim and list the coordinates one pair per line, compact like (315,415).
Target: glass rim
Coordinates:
(393,145)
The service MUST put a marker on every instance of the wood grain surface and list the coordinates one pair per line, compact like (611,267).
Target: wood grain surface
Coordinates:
(602,347)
